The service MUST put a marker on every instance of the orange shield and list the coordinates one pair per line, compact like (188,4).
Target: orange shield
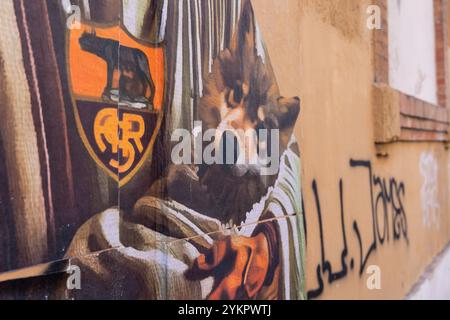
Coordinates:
(117,85)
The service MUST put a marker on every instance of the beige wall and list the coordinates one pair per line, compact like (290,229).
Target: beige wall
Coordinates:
(321,51)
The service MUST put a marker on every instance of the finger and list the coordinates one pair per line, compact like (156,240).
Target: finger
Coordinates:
(229,286)
(214,256)
(205,264)
(226,290)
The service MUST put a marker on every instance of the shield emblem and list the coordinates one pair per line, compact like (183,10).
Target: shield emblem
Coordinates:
(117,84)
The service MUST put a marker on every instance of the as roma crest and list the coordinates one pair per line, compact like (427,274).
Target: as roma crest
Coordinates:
(117,85)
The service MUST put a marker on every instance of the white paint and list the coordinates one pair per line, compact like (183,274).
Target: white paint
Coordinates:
(434,283)
(74,18)
(67,6)
(412,60)
(133,16)
(428,167)
(87,9)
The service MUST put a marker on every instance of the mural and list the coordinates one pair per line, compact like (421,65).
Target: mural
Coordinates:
(142,84)
(124,97)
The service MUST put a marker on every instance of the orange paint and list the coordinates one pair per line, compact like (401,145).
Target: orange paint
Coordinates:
(88,73)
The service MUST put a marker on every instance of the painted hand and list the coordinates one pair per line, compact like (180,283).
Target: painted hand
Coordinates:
(238,264)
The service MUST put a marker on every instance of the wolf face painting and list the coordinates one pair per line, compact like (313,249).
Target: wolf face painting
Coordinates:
(241,93)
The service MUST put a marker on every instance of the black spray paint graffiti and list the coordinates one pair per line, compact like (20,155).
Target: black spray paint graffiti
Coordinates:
(388,218)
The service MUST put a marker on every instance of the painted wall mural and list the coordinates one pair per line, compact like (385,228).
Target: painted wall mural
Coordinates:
(169,168)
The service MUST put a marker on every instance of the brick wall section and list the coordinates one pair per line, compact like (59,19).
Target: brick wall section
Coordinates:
(422,121)
(416,108)
(419,120)
(440,18)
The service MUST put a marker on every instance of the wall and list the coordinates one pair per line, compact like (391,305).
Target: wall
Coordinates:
(326,59)
(121,211)
(366,205)
(434,281)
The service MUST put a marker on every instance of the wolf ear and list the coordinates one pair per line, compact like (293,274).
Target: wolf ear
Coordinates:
(245,36)
(288,112)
